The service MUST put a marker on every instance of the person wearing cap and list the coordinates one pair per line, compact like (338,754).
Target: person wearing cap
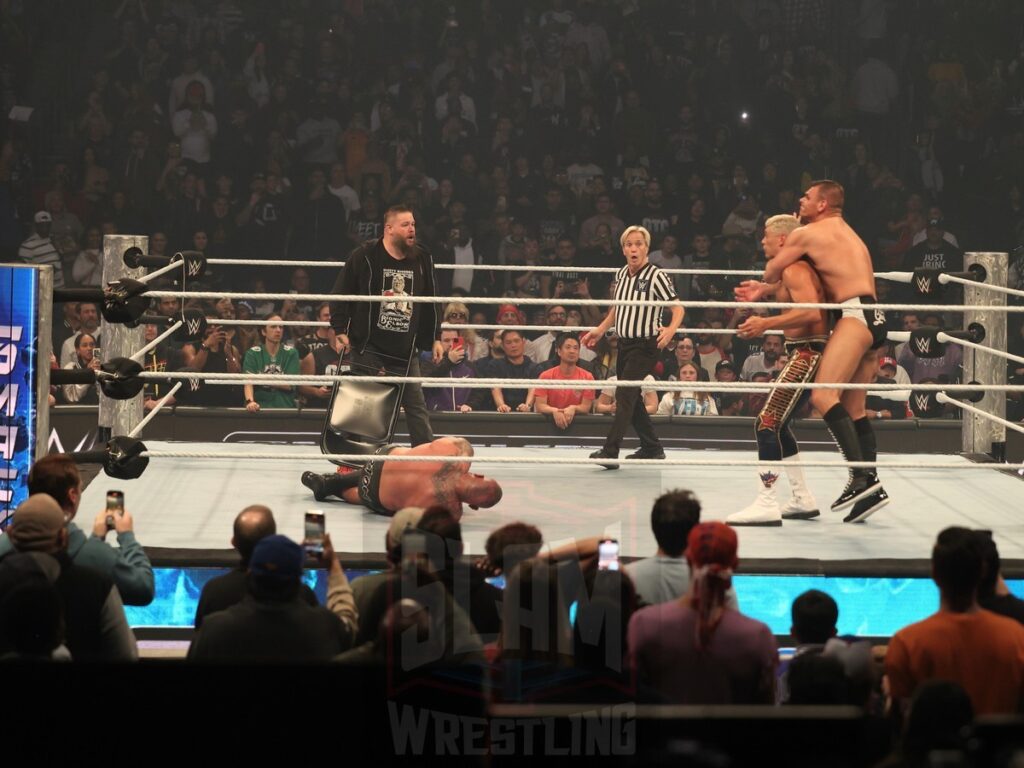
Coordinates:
(274,623)
(806,332)
(386,334)
(378,593)
(38,248)
(386,486)
(96,626)
(698,649)
(889,404)
(127,564)
(252,524)
(31,613)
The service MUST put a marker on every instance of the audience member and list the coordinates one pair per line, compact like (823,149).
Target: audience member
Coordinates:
(563,404)
(97,629)
(981,651)
(275,624)
(253,524)
(696,649)
(57,475)
(666,575)
(271,357)
(993,594)
(687,402)
(454,365)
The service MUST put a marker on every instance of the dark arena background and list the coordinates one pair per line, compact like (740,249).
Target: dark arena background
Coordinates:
(187,187)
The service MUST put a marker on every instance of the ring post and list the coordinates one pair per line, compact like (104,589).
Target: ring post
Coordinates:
(981,435)
(120,416)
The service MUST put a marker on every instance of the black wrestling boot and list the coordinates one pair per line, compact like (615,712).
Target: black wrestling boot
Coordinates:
(861,484)
(331,484)
(316,484)
(868,446)
(867,506)
(862,481)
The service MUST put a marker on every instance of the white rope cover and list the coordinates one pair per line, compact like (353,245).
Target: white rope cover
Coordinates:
(156,409)
(490,383)
(942,397)
(944,278)
(563,461)
(499,300)
(899,277)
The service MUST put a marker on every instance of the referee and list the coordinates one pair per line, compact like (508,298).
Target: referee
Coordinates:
(641,335)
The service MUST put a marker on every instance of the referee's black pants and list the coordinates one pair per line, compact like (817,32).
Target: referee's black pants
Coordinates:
(636,359)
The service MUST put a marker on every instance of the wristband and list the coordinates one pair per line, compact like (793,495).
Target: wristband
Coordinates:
(249,402)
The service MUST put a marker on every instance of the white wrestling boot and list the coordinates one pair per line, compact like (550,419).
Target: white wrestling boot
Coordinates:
(765,509)
(801,505)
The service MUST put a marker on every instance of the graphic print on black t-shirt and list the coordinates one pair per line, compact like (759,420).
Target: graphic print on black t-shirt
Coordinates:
(395,314)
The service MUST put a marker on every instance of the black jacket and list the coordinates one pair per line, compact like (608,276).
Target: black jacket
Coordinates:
(356,317)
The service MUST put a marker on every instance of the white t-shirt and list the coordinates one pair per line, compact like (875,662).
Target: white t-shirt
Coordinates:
(687,404)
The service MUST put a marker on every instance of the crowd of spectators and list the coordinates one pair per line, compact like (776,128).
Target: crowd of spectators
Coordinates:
(520,134)
(544,623)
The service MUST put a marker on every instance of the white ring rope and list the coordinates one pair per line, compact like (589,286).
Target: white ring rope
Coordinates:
(137,357)
(942,397)
(470,326)
(162,271)
(945,338)
(491,383)
(485,267)
(499,300)
(944,278)
(156,409)
(898,277)
(714,462)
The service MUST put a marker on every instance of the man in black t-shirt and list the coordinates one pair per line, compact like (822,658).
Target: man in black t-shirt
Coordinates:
(385,334)
(935,252)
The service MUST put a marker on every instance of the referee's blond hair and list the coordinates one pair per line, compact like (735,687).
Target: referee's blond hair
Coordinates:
(782,224)
(636,228)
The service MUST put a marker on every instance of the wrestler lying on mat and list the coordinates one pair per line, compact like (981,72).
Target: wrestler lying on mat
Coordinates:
(386,486)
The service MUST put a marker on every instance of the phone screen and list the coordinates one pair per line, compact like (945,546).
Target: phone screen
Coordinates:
(97,353)
(115,506)
(316,526)
(608,555)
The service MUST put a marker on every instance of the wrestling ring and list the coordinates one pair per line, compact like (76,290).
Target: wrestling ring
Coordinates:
(186,498)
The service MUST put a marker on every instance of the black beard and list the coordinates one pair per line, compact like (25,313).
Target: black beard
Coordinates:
(403,246)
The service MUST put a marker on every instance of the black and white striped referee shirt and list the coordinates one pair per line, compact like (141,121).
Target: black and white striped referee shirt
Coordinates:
(650,283)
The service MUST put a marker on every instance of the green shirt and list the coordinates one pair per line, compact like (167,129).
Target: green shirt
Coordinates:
(286,361)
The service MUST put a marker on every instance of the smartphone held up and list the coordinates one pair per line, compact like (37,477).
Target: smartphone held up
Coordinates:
(608,555)
(315,528)
(115,506)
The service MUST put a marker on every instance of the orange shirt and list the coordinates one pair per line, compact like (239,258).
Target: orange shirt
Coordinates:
(561,398)
(981,651)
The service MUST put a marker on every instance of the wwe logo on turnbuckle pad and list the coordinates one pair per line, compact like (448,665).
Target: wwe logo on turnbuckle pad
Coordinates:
(923,402)
(923,345)
(193,325)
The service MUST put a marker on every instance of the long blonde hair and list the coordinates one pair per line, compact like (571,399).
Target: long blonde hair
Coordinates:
(457,306)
